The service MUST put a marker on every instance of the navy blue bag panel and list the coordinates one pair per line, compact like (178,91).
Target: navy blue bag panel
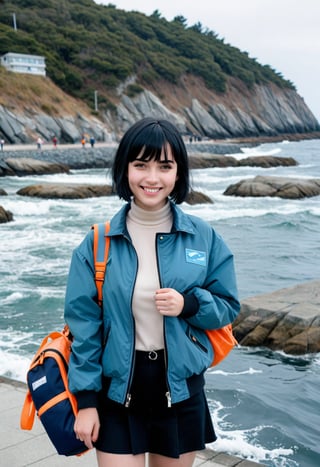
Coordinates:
(45,382)
(63,438)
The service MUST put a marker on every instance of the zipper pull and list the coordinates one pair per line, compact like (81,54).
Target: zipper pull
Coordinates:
(168,396)
(128,400)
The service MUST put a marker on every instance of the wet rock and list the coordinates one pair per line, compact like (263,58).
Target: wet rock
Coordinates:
(287,320)
(27,166)
(267,161)
(196,197)
(5,216)
(207,161)
(65,191)
(281,187)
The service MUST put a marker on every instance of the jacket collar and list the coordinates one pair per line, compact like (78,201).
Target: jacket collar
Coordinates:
(181,221)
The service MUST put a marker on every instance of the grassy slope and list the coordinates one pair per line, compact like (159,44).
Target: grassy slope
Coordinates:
(22,93)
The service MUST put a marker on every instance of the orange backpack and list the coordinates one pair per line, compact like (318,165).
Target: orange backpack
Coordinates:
(48,394)
(47,378)
(222,341)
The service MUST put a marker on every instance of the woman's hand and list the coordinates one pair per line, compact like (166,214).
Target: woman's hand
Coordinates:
(87,426)
(169,302)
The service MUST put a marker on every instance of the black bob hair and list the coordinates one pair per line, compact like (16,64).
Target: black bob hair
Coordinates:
(145,140)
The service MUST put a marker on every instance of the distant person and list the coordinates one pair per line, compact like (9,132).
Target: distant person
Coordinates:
(55,141)
(92,141)
(1,144)
(83,142)
(39,143)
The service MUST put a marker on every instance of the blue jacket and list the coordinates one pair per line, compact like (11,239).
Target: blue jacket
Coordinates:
(194,260)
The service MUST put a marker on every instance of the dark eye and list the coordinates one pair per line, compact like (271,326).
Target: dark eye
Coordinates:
(166,166)
(138,164)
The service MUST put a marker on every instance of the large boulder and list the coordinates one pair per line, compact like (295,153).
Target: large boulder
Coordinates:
(5,216)
(288,320)
(281,187)
(196,197)
(27,166)
(207,161)
(267,161)
(66,191)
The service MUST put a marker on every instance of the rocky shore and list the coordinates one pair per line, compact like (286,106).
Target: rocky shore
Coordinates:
(102,154)
(24,162)
(75,158)
(201,155)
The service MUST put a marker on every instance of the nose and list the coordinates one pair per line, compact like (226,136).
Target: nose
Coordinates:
(152,175)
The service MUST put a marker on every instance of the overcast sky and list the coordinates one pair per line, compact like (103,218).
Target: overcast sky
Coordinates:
(284,34)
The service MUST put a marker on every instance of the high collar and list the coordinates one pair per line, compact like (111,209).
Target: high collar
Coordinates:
(151,218)
(181,221)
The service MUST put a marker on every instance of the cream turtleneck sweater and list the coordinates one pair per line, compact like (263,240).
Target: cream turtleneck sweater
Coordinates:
(143,227)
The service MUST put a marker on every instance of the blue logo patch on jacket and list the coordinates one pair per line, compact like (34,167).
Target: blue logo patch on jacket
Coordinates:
(196,257)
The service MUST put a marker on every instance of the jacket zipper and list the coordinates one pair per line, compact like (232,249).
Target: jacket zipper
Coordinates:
(128,394)
(198,343)
(168,393)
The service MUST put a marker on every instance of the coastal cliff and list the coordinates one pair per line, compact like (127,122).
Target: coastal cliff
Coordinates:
(198,113)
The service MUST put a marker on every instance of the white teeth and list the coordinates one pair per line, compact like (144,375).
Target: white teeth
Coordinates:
(151,190)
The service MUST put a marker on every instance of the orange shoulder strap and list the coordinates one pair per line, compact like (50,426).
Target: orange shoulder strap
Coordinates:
(28,413)
(101,244)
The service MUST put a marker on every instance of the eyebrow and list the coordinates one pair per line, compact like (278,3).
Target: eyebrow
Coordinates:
(160,161)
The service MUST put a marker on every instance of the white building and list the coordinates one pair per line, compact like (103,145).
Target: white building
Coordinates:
(22,63)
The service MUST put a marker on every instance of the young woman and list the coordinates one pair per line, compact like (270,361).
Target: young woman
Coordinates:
(137,365)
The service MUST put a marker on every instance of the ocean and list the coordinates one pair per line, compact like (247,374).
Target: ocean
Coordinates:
(265,405)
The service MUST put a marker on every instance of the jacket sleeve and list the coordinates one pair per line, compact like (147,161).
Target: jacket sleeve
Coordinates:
(217,297)
(84,318)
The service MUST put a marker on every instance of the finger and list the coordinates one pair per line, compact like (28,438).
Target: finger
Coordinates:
(88,444)
(95,433)
(160,304)
(162,291)
(159,299)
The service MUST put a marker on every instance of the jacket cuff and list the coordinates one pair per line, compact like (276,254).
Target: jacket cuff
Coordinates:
(191,306)
(86,399)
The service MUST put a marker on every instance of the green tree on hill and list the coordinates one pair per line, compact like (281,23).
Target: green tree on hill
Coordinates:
(89,46)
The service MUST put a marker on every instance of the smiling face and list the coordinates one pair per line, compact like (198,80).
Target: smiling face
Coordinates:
(152,181)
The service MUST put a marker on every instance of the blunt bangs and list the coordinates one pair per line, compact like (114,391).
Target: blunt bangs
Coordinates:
(147,140)
(148,144)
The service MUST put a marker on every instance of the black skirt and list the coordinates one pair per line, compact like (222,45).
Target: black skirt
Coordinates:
(148,424)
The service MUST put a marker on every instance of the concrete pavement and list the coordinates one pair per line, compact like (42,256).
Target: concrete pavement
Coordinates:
(20,448)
